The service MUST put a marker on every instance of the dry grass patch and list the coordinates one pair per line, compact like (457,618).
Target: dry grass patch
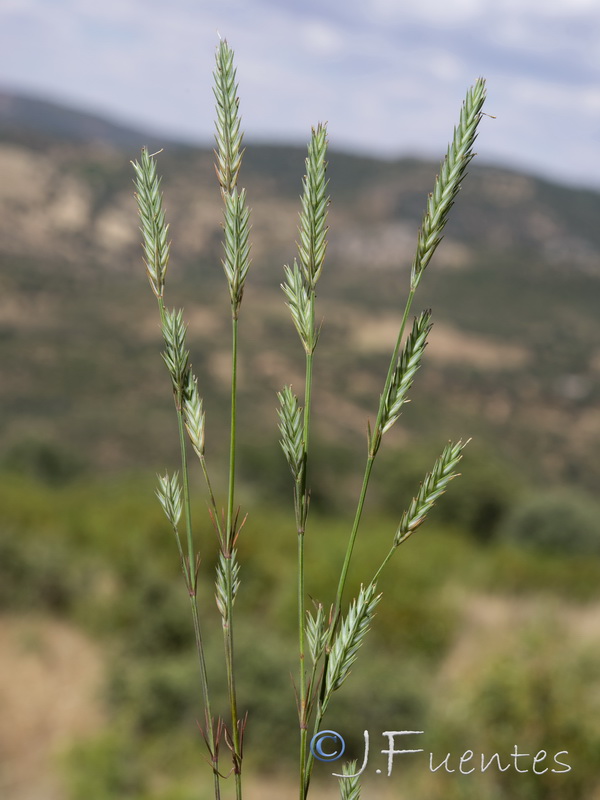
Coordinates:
(446,344)
(50,676)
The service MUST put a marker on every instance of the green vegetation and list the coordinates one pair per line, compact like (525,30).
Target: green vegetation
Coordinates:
(486,636)
(560,522)
(75,552)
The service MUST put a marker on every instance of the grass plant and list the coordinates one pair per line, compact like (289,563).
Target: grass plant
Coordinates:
(330,635)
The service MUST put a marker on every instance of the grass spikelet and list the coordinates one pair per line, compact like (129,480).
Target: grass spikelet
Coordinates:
(152,219)
(408,363)
(447,185)
(227,584)
(350,786)
(350,636)
(292,430)
(170,497)
(228,136)
(313,216)
(434,485)
(175,356)
(193,414)
(316,633)
(237,246)
(299,303)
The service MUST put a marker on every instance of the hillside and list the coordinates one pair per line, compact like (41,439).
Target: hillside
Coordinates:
(514,359)
(487,632)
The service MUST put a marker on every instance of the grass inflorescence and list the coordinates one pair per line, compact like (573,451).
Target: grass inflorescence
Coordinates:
(330,633)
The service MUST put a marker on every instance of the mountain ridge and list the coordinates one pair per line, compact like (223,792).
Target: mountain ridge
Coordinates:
(514,288)
(26,112)
(40,119)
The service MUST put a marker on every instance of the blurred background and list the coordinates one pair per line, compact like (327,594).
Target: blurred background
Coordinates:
(488,634)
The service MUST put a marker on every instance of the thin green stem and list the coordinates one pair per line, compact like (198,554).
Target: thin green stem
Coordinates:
(307,762)
(208,721)
(384,563)
(230,534)
(213,503)
(302,700)
(186,500)
(232,440)
(235,731)
(235,264)
(322,708)
(301,515)
(351,541)
(191,581)
(374,441)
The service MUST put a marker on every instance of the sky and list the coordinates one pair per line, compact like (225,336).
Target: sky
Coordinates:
(387,76)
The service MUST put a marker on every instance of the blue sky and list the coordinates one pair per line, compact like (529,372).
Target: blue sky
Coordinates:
(388,76)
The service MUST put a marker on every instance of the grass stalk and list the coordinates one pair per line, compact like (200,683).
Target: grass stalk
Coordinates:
(208,719)
(439,203)
(374,441)
(333,639)
(302,499)
(193,560)
(402,366)
(233,429)
(236,263)
(186,500)
(156,250)
(231,536)
(302,694)
(300,291)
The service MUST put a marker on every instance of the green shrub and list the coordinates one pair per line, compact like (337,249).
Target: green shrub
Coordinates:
(154,696)
(47,462)
(38,574)
(105,768)
(528,688)
(558,522)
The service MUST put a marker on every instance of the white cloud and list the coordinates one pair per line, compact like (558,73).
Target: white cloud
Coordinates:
(321,37)
(461,12)
(437,12)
